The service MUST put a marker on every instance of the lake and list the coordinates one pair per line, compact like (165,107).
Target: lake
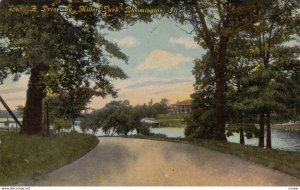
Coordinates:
(281,139)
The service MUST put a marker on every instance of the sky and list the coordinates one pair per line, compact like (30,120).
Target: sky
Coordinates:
(160,65)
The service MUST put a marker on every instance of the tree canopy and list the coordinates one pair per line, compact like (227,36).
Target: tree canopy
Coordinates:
(60,51)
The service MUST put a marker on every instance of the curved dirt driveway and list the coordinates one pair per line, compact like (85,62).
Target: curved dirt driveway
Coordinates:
(135,162)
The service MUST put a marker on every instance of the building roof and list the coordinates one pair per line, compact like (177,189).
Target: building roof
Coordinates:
(184,103)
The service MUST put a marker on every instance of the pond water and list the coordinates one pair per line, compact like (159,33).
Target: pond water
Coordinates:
(281,139)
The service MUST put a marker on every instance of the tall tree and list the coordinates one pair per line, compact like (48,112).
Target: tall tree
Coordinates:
(214,22)
(241,118)
(70,105)
(60,51)
(202,122)
(217,23)
(277,24)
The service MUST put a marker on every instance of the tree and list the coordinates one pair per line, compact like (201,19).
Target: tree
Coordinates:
(90,121)
(201,122)
(241,117)
(214,22)
(272,78)
(20,110)
(70,105)
(59,51)
(161,107)
(221,22)
(115,118)
(61,123)
(119,117)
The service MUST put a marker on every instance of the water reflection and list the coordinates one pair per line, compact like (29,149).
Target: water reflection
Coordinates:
(281,139)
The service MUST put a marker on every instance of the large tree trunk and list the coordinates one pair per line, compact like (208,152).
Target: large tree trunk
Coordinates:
(220,128)
(242,138)
(220,88)
(33,118)
(218,58)
(261,142)
(269,142)
(73,125)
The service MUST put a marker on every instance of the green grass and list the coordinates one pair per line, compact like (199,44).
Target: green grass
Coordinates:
(23,156)
(284,161)
(171,116)
(287,127)
(10,129)
(169,120)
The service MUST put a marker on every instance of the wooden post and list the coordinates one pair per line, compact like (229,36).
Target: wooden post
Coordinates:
(7,123)
(10,112)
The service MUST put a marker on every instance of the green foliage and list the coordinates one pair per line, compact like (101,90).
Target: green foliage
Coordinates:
(119,117)
(114,118)
(261,73)
(287,127)
(144,130)
(23,156)
(249,129)
(161,107)
(201,123)
(90,121)
(69,105)
(67,52)
(73,57)
(61,123)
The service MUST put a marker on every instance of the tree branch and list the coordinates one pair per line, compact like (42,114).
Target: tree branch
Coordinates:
(269,44)
(205,31)
(185,30)
(220,12)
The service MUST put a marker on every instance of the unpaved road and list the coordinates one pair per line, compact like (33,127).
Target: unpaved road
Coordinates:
(136,162)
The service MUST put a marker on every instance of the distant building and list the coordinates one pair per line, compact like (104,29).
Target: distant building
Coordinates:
(181,107)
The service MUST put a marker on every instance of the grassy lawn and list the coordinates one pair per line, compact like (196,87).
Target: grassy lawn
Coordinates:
(23,156)
(285,161)
(168,120)
(287,127)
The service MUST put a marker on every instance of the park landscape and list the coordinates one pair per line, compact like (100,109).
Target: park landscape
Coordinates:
(159,93)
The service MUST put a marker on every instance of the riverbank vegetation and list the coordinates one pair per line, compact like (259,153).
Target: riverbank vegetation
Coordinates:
(119,117)
(23,156)
(284,161)
(287,127)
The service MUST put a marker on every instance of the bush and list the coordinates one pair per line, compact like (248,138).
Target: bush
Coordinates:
(61,123)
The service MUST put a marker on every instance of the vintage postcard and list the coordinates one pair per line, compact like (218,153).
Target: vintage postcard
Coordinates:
(149,93)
